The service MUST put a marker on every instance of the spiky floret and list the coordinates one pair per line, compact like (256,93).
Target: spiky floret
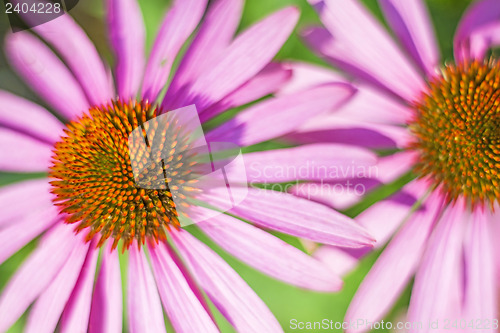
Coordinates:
(94,179)
(457,132)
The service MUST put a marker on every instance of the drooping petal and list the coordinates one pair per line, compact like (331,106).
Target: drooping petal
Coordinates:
(29,118)
(106,309)
(233,297)
(127,33)
(437,291)
(80,54)
(307,162)
(45,73)
(244,58)
(410,21)
(292,215)
(18,198)
(337,259)
(178,24)
(181,303)
(357,43)
(213,37)
(268,253)
(18,234)
(278,116)
(45,313)
(76,313)
(478,30)
(394,268)
(143,300)
(21,153)
(37,272)
(266,82)
(481,281)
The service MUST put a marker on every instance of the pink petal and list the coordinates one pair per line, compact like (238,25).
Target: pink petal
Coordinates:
(46,74)
(143,300)
(295,216)
(29,118)
(76,314)
(266,82)
(79,53)
(395,267)
(337,259)
(21,153)
(269,254)
(278,116)
(411,22)
(375,106)
(305,76)
(37,272)
(181,303)
(106,308)
(14,203)
(481,287)
(215,34)
(478,30)
(16,235)
(47,309)
(178,24)
(359,44)
(230,294)
(127,33)
(308,162)
(244,58)
(437,291)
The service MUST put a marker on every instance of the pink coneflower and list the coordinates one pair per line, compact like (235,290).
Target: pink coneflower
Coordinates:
(441,124)
(91,184)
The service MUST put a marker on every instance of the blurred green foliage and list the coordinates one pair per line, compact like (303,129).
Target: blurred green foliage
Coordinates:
(285,301)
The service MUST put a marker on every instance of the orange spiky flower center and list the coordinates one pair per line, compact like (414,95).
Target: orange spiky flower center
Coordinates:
(457,132)
(94,181)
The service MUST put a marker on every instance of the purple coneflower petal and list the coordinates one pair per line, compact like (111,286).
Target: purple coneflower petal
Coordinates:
(244,58)
(410,20)
(295,216)
(29,118)
(212,39)
(21,153)
(306,162)
(305,76)
(142,296)
(16,235)
(259,123)
(78,51)
(47,309)
(232,296)
(481,279)
(356,36)
(128,35)
(266,82)
(76,313)
(437,291)
(181,303)
(106,309)
(394,268)
(46,74)
(269,254)
(178,24)
(478,30)
(37,272)
(337,259)
(14,201)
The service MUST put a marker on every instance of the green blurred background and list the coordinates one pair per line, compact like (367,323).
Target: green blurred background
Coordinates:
(285,301)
